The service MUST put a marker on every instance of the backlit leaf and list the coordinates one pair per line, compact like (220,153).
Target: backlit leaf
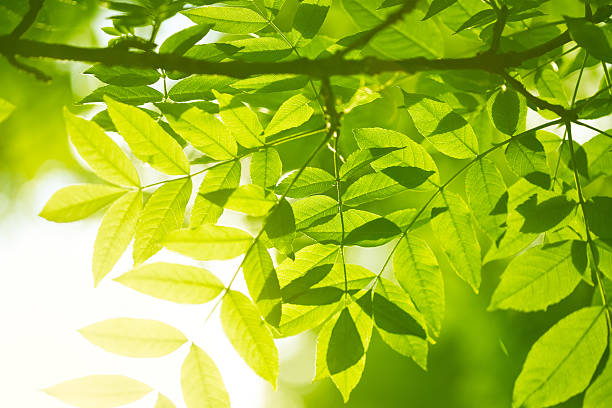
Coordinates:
(250,199)
(311,181)
(76,202)
(201,381)
(123,76)
(292,113)
(209,242)
(234,20)
(217,185)
(507,110)
(266,167)
(262,282)
(241,120)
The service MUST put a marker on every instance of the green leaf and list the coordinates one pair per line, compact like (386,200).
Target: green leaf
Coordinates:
(123,76)
(217,185)
(372,187)
(148,141)
(508,111)
(527,158)
(358,163)
(292,113)
(599,394)
(241,120)
(173,282)
(261,49)
(372,233)
(541,277)
(100,151)
(280,227)
(209,242)
(598,150)
(163,402)
(447,131)
(115,233)
(310,16)
(99,391)
(266,167)
(262,282)
(249,335)
(76,202)
(399,323)
(438,6)
(561,362)
(406,152)
(341,348)
(234,20)
(416,269)
(354,220)
(311,209)
(201,381)
(486,191)
(6,108)
(134,95)
(179,42)
(311,181)
(164,212)
(199,87)
(134,337)
(407,176)
(597,41)
(598,210)
(251,199)
(550,86)
(451,221)
(206,133)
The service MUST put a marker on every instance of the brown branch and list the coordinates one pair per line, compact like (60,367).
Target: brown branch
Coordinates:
(540,103)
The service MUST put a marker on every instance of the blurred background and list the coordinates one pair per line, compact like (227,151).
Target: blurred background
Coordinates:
(47,290)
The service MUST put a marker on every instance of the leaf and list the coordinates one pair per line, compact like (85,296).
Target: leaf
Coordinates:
(148,141)
(123,76)
(179,42)
(438,6)
(406,152)
(209,242)
(595,40)
(115,233)
(508,111)
(6,108)
(163,402)
(599,393)
(249,335)
(541,277)
(561,363)
(234,20)
(311,181)
(99,151)
(309,210)
(280,227)
(371,187)
(134,337)
(199,87)
(99,391)
(358,163)
(173,282)
(549,86)
(479,19)
(526,157)
(400,325)
(262,282)
(261,49)
(597,211)
(241,120)
(217,185)
(266,167)
(251,199)
(447,131)
(341,348)
(407,176)
(292,113)
(416,269)
(372,233)
(206,133)
(164,212)
(134,95)
(486,191)
(451,222)
(310,16)
(598,150)
(76,202)
(201,381)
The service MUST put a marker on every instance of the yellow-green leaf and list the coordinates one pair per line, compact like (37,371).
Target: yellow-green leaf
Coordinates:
(76,202)
(251,199)
(201,381)
(115,233)
(134,337)
(174,282)
(99,391)
(262,282)
(292,113)
(99,151)
(164,212)
(241,120)
(234,20)
(249,335)
(163,402)
(209,242)
(206,133)
(6,108)
(217,185)
(148,141)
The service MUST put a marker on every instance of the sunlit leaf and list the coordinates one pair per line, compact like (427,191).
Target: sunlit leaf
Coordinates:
(250,199)
(217,185)
(235,20)
(507,110)
(201,381)
(266,167)
(134,337)
(241,120)
(292,113)
(123,76)
(311,181)
(262,282)
(76,202)
(209,242)
(599,393)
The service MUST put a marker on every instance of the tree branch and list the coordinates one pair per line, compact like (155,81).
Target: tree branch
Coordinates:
(28,19)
